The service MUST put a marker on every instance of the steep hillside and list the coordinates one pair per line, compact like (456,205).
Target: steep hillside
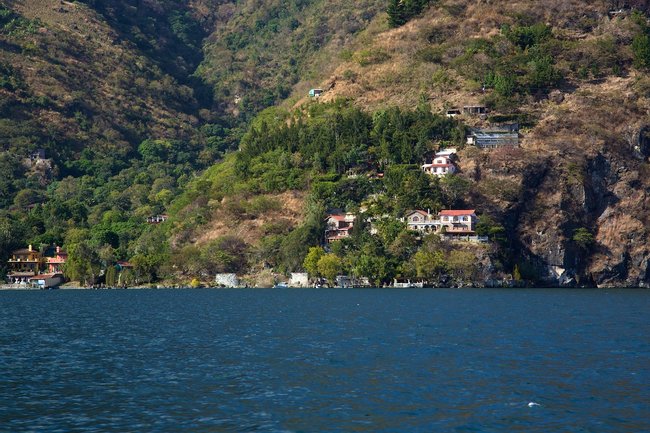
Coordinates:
(65,67)
(132,100)
(583,162)
(261,50)
(573,199)
(105,117)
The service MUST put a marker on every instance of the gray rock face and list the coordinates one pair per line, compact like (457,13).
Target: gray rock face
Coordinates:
(602,194)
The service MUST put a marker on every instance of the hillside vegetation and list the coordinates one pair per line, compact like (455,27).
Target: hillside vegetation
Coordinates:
(571,74)
(261,50)
(132,101)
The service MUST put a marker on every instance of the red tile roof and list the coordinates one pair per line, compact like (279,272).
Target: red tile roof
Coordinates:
(457,212)
(44,276)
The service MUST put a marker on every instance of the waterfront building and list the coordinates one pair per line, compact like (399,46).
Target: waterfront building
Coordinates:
(56,260)
(23,264)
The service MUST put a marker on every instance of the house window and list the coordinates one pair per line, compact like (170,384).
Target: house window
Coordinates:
(416,219)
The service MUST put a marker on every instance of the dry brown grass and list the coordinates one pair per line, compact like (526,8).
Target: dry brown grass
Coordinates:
(291,212)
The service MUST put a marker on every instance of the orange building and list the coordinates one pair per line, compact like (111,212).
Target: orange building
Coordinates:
(23,264)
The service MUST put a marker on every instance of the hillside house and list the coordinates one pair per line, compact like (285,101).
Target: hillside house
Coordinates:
(24,264)
(495,137)
(315,93)
(157,219)
(338,226)
(442,164)
(55,260)
(38,154)
(449,223)
(422,221)
(458,221)
(474,110)
(453,112)
(122,266)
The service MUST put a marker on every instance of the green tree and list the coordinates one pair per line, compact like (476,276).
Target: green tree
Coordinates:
(155,150)
(375,268)
(389,229)
(454,189)
(429,264)
(145,267)
(504,85)
(27,197)
(400,11)
(11,234)
(126,278)
(329,266)
(542,75)
(641,50)
(404,245)
(83,263)
(487,226)
(583,238)
(528,36)
(111,276)
(396,13)
(462,265)
(311,261)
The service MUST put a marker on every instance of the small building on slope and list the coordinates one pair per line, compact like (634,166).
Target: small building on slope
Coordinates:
(338,226)
(495,137)
(442,164)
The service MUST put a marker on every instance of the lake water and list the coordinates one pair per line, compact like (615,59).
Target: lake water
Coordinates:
(325,361)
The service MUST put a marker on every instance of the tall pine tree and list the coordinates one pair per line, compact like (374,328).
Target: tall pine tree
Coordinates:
(400,11)
(396,13)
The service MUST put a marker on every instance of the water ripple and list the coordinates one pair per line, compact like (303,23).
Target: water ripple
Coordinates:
(325,361)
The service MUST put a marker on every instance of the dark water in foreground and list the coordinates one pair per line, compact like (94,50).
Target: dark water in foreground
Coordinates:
(325,361)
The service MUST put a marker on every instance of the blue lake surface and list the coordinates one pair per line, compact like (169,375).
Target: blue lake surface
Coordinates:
(325,361)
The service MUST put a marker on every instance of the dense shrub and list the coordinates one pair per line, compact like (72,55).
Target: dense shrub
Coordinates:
(401,11)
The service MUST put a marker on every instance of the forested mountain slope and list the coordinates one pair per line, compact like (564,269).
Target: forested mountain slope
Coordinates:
(109,107)
(132,99)
(572,201)
(261,50)
(575,75)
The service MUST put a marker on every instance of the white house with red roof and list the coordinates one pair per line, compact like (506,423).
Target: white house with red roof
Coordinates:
(338,226)
(448,222)
(442,163)
(461,222)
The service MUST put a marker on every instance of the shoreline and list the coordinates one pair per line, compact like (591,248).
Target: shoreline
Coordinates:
(8,288)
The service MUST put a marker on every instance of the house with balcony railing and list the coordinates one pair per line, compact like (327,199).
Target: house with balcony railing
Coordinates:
(338,226)
(24,264)
(449,224)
